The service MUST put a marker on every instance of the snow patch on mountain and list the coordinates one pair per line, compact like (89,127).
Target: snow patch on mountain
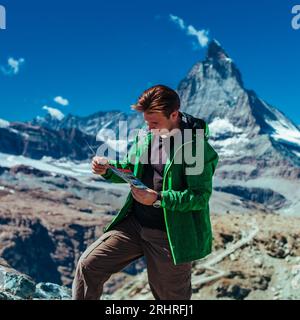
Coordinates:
(277,184)
(283,131)
(222,126)
(231,146)
(54,113)
(4,123)
(297,153)
(61,166)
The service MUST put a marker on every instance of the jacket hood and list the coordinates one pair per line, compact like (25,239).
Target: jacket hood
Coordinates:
(190,122)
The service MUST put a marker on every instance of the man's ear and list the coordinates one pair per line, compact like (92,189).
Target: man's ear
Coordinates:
(174,115)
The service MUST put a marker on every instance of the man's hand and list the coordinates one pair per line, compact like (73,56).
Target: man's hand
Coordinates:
(146,197)
(100,165)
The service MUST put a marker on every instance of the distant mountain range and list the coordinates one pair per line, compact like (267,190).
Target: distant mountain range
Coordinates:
(259,146)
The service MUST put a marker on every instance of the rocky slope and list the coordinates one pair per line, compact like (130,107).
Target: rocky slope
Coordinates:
(36,142)
(91,125)
(17,286)
(45,226)
(265,267)
(47,220)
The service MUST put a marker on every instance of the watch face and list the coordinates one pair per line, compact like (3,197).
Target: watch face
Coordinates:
(157,204)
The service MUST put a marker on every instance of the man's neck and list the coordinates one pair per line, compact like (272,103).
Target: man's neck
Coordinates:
(178,124)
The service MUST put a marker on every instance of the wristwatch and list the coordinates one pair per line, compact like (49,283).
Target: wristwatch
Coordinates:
(157,202)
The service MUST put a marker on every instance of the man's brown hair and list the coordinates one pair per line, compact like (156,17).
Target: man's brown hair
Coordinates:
(158,98)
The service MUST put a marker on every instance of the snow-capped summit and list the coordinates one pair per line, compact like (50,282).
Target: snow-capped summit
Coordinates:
(218,59)
(215,51)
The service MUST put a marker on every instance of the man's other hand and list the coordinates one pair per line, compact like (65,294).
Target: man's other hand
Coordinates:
(146,197)
(99,165)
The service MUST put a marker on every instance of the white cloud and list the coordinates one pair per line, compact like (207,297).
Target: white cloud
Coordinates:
(62,101)
(13,66)
(178,21)
(54,113)
(201,35)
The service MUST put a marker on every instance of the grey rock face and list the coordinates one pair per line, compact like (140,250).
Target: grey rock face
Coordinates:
(16,283)
(17,286)
(36,142)
(93,124)
(51,291)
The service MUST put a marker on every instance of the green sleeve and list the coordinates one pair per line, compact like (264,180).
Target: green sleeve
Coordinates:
(199,187)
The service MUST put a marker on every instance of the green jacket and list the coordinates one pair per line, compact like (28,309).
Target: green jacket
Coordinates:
(185,198)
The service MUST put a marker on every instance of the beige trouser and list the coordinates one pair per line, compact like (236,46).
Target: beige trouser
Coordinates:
(117,248)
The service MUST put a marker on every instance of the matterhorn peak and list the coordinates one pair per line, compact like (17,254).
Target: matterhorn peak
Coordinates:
(220,61)
(216,52)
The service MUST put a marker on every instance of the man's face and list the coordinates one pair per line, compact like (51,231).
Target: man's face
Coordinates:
(159,123)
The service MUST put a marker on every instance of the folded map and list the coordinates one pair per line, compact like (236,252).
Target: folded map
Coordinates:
(128,176)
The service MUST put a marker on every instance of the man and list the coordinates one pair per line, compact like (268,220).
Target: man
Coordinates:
(169,222)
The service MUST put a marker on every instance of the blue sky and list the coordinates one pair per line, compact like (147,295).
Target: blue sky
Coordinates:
(100,55)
